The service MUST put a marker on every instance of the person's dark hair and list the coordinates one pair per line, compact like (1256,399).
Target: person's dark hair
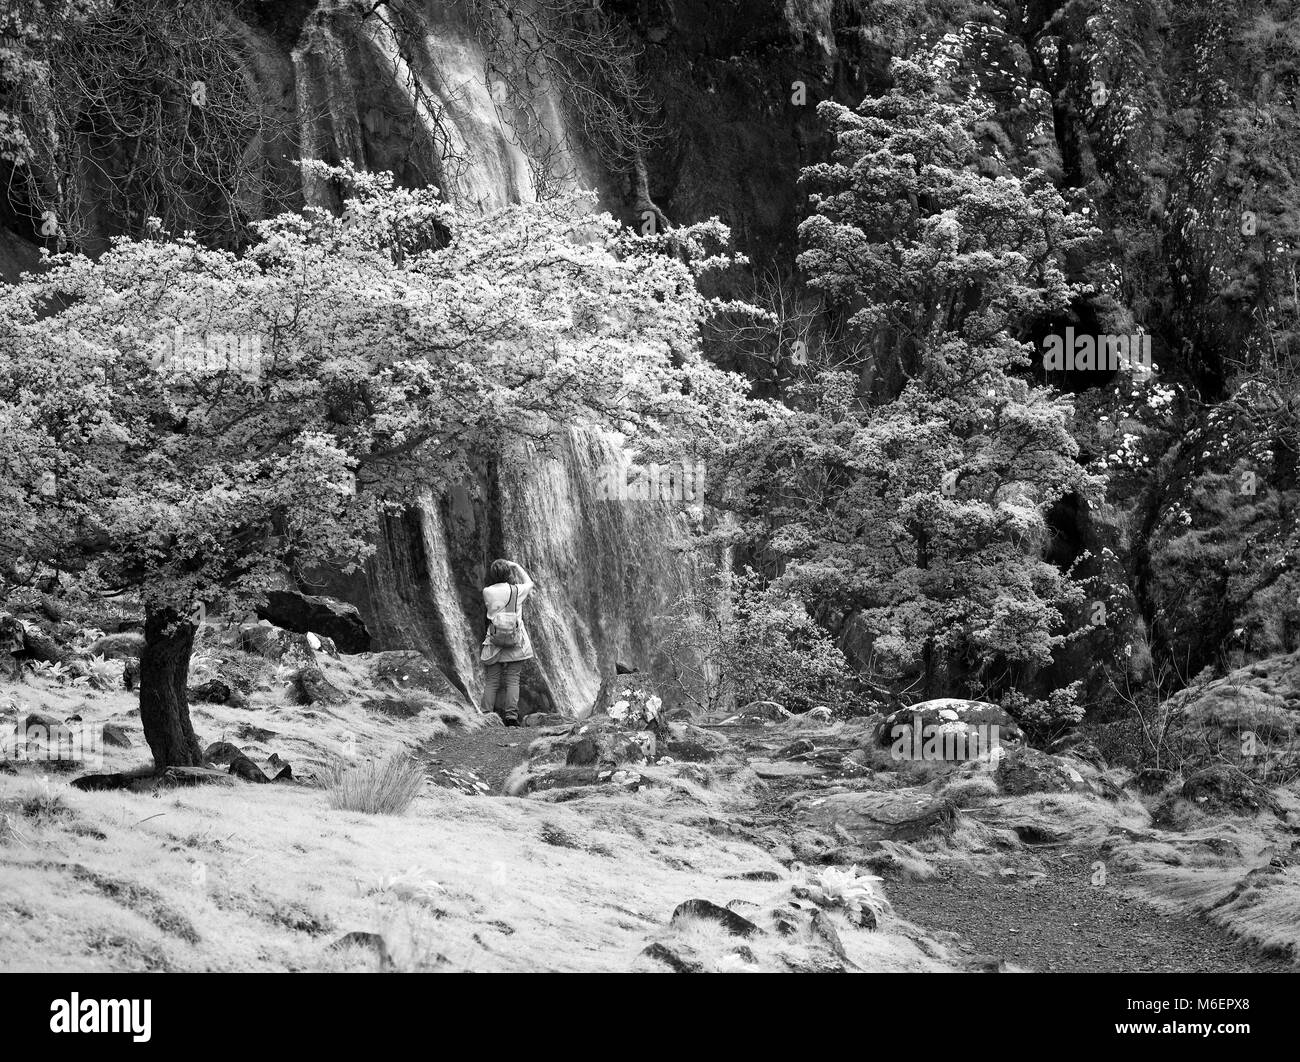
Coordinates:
(501,571)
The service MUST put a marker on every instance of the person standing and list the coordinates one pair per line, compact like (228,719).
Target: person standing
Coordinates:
(507,644)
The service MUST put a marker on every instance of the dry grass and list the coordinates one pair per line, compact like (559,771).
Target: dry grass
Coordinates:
(249,877)
(386,787)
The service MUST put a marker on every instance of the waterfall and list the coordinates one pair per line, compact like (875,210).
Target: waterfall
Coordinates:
(462,644)
(362,94)
(604,569)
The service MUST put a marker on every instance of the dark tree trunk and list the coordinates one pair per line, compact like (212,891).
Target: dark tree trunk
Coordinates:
(164,673)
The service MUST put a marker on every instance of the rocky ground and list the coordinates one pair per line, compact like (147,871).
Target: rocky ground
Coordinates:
(634,838)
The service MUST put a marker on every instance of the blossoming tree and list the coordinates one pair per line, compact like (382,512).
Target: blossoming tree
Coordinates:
(360,360)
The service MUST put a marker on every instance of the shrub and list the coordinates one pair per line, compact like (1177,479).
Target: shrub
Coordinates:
(384,788)
(740,641)
(1045,720)
(104,674)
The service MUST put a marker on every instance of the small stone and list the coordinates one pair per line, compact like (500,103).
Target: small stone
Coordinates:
(682,959)
(709,911)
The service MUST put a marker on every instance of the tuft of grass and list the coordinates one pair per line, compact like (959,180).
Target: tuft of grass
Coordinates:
(971,792)
(39,805)
(558,836)
(9,831)
(387,787)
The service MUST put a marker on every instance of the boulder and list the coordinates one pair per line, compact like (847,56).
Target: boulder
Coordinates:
(764,711)
(23,640)
(545,719)
(737,925)
(117,737)
(262,639)
(680,958)
(606,742)
(396,707)
(365,940)
(1255,708)
(322,645)
(407,669)
(1223,788)
(11,643)
(38,726)
(222,752)
(865,816)
(126,645)
(38,645)
(241,766)
(1026,770)
(313,687)
(214,691)
(325,616)
(946,728)
(693,744)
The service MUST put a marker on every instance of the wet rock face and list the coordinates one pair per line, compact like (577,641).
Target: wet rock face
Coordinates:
(728,78)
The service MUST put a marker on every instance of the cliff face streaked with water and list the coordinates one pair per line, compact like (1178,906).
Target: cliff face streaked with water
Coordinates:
(604,569)
(342,86)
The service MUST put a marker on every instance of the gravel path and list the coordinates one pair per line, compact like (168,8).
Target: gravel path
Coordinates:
(1056,923)
(1062,923)
(480,761)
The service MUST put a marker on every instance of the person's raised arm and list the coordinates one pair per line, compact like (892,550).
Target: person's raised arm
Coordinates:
(525,581)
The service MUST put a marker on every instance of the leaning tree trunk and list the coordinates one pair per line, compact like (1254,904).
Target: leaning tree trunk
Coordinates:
(164,675)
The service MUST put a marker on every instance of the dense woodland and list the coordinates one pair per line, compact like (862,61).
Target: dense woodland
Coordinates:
(838,240)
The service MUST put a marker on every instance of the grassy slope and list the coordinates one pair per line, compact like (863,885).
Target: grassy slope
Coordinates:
(247,877)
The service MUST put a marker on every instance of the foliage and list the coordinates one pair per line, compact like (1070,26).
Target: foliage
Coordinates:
(357,363)
(910,494)
(126,110)
(103,674)
(1046,719)
(738,641)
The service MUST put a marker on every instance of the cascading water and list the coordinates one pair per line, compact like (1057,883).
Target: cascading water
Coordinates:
(459,636)
(421,106)
(605,569)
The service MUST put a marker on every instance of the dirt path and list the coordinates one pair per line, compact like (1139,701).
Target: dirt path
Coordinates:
(1056,923)
(1062,923)
(478,762)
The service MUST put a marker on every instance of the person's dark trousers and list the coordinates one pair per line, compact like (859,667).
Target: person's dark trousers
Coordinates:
(496,688)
